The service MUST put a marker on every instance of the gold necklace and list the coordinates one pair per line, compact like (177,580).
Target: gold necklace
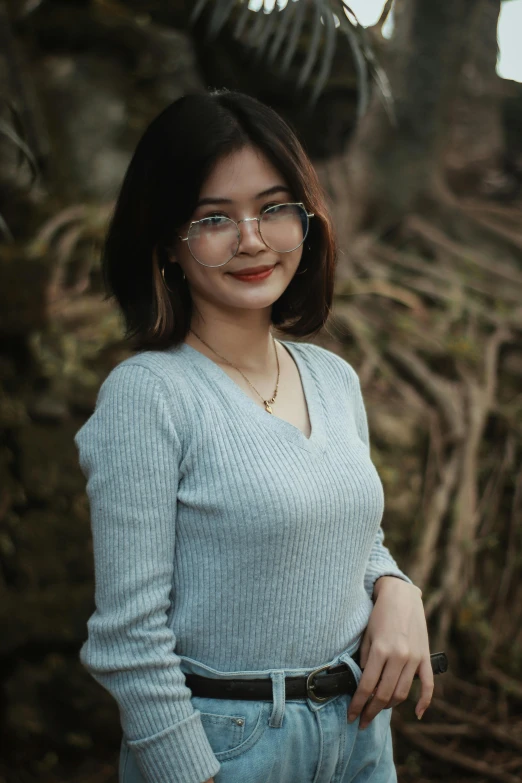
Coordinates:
(267,403)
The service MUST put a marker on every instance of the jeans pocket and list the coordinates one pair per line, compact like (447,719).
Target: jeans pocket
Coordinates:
(232,726)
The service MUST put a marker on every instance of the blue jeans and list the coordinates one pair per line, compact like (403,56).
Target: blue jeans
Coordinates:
(294,741)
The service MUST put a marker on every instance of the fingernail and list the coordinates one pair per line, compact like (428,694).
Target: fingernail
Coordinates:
(362,726)
(351,717)
(419,716)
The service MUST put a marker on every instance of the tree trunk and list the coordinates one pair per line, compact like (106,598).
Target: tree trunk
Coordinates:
(391,167)
(475,142)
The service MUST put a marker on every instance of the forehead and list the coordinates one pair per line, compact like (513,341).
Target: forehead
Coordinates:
(241,175)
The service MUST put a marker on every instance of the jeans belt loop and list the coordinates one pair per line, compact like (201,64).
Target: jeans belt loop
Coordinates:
(354,666)
(278,695)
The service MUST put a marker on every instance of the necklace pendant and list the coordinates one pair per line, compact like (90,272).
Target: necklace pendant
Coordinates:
(268,407)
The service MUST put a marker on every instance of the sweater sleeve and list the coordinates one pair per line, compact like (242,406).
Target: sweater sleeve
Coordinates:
(381,562)
(130,453)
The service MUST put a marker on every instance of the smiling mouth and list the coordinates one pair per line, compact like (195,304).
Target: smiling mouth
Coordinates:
(255,270)
(252,277)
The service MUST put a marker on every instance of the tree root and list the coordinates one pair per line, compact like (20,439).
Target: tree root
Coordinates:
(483,221)
(461,540)
(445,393)
(507,683)
(424,559)
(450,755)
(438,238)
(469,224)
(482,722)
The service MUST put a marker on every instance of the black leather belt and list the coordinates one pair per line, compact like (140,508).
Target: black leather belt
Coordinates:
(319,685)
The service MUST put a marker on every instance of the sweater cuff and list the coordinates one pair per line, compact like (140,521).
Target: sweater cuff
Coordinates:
(372,574)
(179,754)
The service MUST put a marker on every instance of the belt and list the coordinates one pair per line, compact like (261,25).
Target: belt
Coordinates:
(319,685)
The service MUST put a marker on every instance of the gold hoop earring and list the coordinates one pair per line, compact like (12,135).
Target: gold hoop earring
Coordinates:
(165,282)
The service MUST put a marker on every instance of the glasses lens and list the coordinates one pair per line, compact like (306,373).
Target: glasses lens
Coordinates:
(284,227)
(213,240)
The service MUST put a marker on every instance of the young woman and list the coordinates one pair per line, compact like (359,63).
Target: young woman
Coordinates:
(242,582)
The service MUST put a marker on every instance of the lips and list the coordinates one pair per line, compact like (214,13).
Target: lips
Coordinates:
(255,270)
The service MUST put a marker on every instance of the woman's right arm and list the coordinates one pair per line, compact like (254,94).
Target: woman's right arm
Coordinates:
(130,453)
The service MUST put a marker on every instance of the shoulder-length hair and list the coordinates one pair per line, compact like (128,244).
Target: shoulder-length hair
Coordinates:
(159,194)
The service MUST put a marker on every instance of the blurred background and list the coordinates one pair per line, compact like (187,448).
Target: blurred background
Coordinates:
(411,111)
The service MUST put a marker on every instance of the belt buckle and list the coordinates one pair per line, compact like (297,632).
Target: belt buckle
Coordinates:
(310,686)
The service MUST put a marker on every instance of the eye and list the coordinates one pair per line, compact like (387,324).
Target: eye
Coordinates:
(215,218)
(272,204)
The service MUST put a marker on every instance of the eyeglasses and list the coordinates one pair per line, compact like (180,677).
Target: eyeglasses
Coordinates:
(214,240)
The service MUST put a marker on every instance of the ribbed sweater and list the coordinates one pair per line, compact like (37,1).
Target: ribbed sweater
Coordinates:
(222,534)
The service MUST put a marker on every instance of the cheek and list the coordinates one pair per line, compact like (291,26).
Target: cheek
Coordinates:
(295,257)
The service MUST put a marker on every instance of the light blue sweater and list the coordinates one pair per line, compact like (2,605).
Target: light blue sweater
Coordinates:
(222,535)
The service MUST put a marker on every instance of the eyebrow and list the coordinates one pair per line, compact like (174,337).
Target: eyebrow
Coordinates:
(267,192)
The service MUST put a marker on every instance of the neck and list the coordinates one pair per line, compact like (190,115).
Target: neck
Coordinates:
(251,350)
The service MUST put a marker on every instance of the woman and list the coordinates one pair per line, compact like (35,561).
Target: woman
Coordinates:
(242,583)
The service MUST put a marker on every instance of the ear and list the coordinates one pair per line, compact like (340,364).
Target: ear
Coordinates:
(169,253)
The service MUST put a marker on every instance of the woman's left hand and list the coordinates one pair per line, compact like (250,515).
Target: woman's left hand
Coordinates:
(394,648)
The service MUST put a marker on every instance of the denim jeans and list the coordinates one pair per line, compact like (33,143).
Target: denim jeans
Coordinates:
(287,741)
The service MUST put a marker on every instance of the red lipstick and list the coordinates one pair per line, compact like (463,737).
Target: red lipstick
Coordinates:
(252,278)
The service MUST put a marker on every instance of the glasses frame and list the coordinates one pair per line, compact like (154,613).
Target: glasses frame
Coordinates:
(246,220)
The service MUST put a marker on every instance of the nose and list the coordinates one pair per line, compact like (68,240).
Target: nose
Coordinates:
(249,236)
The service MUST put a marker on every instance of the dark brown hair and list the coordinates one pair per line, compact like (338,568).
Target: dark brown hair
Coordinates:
(159,193)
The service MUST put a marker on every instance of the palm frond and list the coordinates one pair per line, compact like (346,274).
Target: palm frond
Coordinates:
(14,131)
(385,91)
(384,14)
(366,61)
(350,13)
(328,55)
(21,128)
(354,39)
(5,230)
(268,27)
(196,11)
(242,19)
(286,19)
(257,32)
(293,38)
(221,12)
(278,29)
(10,132)
(313,51)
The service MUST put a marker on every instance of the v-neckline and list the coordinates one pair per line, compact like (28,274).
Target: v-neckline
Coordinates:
(316,440)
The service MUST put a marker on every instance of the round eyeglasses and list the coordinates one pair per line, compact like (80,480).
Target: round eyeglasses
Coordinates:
(214,240)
